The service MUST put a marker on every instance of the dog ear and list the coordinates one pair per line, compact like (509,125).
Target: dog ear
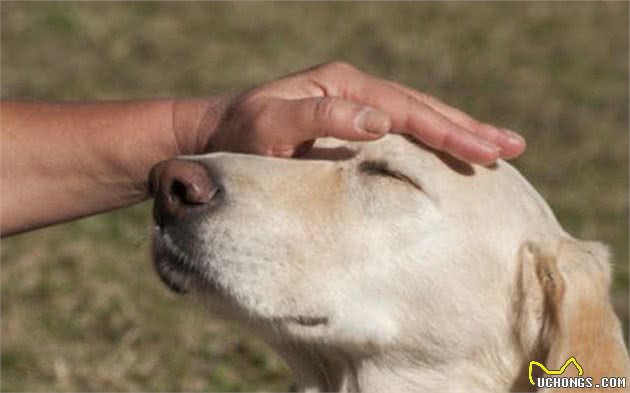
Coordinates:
(568,288)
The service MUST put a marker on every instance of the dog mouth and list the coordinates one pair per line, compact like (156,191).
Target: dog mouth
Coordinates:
(181,271)
(175,267)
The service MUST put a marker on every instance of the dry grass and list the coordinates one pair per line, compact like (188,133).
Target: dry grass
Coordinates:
(81,307)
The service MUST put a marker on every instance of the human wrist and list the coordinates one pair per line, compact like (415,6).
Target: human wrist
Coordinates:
(194,121)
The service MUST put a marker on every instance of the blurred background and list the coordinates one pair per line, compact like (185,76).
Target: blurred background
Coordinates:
(82,309)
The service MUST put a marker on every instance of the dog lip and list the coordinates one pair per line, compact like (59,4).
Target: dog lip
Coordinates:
(172,283)
(171,263)
(172,273)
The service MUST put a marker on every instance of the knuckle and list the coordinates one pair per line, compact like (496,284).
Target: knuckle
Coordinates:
(282,152)
(428,98)
(337,67)
(447,141)
(417,113)
(440,138)
(411,102)
(342,66)
(488,128)
(417,95)
(259,118)
(444,141)
(324,109)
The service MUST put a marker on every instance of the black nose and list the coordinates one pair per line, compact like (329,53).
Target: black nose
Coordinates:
(181,188)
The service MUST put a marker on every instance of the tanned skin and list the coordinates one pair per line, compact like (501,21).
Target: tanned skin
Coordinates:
(62,161)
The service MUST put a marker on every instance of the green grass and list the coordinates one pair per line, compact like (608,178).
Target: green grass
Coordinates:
(82,309)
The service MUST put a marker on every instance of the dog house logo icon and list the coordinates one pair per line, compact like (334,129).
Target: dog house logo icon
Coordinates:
(554,372)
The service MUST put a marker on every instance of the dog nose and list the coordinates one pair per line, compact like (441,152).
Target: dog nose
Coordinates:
(180,188)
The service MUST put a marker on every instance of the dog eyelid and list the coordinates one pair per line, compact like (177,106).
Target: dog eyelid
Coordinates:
(381,168)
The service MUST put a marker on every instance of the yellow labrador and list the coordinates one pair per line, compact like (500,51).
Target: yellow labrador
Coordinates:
(386,266)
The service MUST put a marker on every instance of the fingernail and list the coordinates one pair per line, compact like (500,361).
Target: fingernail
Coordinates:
(373,121)
(488,147)
(513,136)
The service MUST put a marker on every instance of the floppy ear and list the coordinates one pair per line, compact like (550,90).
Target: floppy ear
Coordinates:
(570,289)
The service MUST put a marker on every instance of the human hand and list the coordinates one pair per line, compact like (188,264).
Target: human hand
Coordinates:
(283,117)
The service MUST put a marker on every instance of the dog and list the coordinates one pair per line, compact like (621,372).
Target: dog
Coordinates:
(387,266)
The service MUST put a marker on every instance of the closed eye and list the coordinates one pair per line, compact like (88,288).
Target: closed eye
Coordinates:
(380,168)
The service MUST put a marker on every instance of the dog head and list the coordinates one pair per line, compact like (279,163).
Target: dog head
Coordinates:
(371,247)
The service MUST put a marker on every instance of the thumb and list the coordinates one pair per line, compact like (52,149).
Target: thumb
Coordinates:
(334,117)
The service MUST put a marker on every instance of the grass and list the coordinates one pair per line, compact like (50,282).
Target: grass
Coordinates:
(81,307)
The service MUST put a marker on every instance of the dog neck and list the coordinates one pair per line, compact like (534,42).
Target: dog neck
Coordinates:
(317,369)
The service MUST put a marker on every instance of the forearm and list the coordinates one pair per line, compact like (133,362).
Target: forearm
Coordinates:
(68,160)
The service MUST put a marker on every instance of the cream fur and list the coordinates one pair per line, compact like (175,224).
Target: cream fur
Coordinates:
(365,282)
